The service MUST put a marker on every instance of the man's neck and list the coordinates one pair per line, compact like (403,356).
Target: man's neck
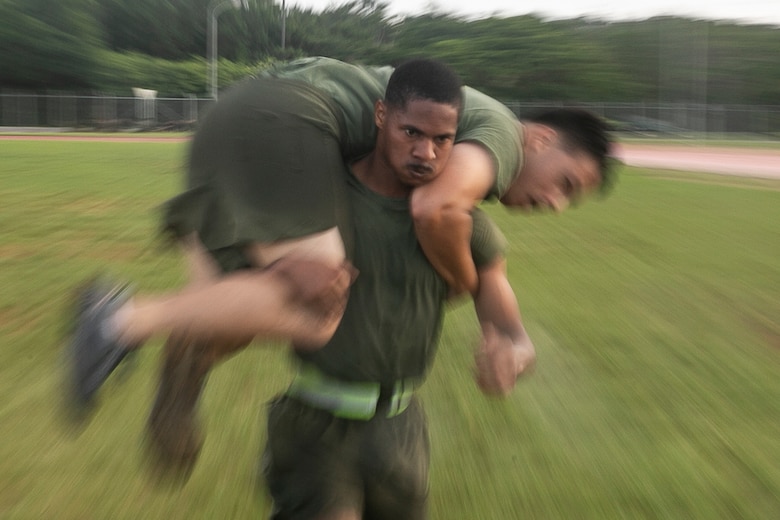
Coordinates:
(376,175)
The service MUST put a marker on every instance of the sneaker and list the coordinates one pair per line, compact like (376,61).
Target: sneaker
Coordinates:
(94,350)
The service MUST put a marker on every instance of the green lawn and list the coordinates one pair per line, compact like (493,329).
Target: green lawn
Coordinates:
(654,312)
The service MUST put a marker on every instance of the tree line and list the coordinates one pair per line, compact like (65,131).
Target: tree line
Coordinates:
(112,45)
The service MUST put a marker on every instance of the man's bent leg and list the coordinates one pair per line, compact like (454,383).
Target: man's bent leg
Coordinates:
(174,437)
(297,297)
(293,299)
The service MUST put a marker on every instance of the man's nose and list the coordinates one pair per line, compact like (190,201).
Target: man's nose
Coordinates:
(424,150)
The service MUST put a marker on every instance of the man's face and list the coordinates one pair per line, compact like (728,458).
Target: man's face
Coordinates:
(416,141)
(553,177)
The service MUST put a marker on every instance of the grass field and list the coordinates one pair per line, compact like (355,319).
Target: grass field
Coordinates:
(654,312)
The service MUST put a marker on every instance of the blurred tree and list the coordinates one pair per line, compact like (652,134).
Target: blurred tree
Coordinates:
(669,59)
(633,47)
(54,44)
(512,58)
(743,64)
(169,29)
(351,31)
(121,71)
(176,29)
(259,34)
(46,44)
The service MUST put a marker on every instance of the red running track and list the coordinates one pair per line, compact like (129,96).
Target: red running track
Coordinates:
(745,162)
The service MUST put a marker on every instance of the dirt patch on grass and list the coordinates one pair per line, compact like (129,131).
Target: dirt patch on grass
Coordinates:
(765,327)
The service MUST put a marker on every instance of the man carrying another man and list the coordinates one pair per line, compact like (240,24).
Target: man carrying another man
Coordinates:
(416,135)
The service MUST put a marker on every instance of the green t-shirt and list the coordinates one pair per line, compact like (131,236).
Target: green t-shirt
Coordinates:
(354,90)
(491,124)
(393,317)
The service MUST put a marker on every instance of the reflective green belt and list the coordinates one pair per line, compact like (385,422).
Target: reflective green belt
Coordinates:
(348,400)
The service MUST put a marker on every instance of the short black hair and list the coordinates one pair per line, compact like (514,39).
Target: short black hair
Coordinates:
(584,131)
(424,79)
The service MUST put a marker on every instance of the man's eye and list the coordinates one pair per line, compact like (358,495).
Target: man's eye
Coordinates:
(411,132)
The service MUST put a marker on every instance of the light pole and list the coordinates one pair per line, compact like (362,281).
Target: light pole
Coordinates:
(215,8)
(284,25)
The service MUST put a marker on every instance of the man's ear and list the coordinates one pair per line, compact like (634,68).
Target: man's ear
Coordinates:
(540,137)
(380,113)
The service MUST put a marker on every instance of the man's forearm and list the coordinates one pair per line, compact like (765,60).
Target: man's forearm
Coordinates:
(445,238)
(442,214)
(505,352)
(496,304)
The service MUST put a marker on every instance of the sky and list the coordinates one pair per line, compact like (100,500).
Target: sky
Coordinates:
(741,11)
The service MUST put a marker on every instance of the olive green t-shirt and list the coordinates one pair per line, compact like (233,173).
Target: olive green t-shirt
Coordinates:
(352,90)
(393,317)
(491,124)
(355,89)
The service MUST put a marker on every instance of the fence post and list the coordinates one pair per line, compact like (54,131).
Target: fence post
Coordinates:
(145,107)
(192,108)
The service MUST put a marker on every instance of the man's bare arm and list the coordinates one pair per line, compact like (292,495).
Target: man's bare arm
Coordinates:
(442,214)
(505,352)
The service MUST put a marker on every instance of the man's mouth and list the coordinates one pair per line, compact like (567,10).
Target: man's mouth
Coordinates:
(420,170)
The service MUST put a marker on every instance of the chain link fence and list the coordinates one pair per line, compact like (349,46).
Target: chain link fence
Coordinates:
(109,113)
(680,119)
